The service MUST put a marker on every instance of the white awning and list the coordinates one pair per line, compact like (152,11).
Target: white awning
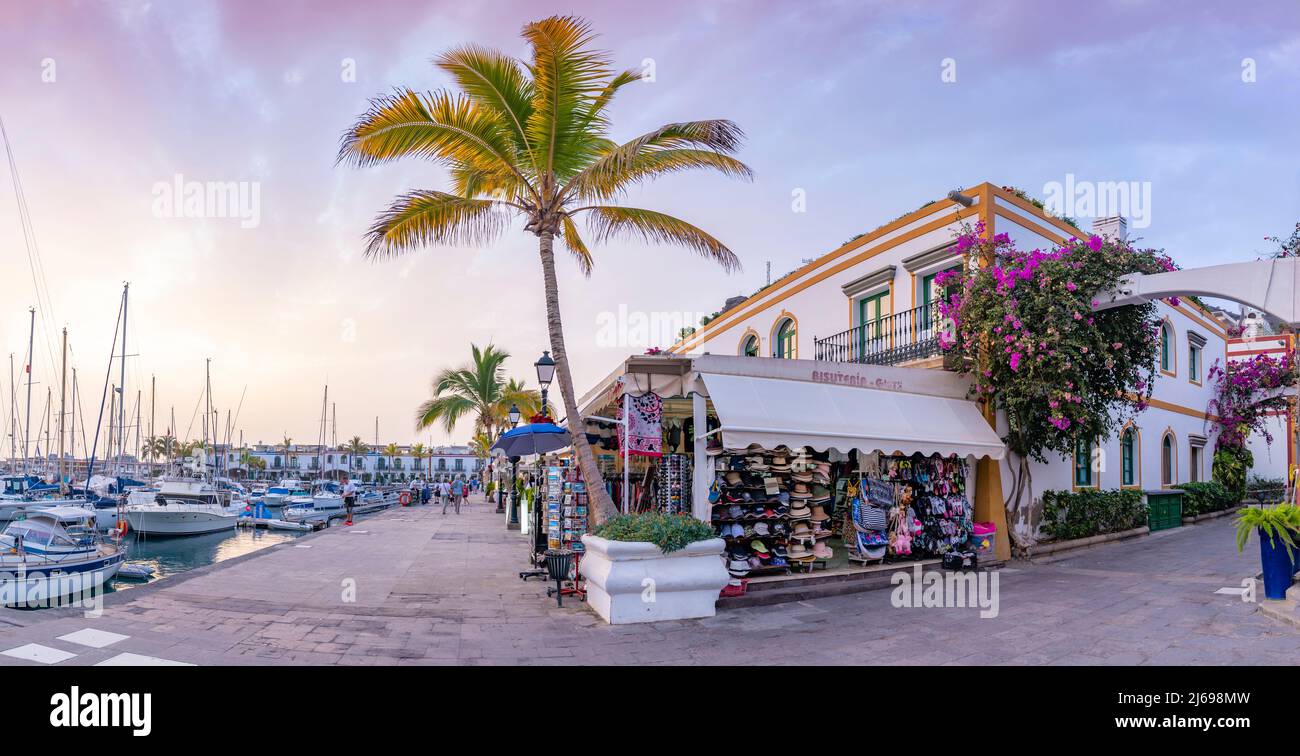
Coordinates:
(772,412)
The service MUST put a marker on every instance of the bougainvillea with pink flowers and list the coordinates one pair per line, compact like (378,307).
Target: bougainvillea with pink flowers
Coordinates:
(1245,393)
(1023,326)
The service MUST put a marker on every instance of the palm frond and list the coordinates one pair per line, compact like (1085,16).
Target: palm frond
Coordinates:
(611,176)
(442,409)
(572,240)
(428,217)
(441,126)
(495,81)
(606,221)
(567,77)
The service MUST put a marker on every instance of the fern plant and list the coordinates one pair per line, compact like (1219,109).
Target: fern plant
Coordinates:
(1278,523)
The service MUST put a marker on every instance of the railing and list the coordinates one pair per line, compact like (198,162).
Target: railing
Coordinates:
(901,337)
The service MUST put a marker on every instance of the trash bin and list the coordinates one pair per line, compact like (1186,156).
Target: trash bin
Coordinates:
(1164,509)
(984,539)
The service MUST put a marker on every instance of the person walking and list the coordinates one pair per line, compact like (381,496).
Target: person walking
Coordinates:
(457,492)
(425,493)
(349,497)
(445,493)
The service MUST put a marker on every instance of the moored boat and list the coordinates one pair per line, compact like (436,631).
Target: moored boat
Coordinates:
(51,553)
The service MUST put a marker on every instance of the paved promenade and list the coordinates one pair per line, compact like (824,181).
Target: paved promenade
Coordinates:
(412,586)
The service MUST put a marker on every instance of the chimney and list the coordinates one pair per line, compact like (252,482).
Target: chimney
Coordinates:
(1114,226)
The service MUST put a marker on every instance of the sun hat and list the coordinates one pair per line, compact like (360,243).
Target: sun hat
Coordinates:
(801,491)
(819,513)
(822,550)
(802,477)
(733,478)
(800,512)
(801,530)
(798,551)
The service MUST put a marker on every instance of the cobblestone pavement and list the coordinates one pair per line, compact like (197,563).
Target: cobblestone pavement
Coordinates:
(444,589)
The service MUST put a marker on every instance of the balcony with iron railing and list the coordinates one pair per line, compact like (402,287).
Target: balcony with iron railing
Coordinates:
(901,337)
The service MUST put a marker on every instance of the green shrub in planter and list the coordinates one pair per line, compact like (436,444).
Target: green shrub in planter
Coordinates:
(1202,497)
(1079,514)
(1278,523)
(1230,467)
(667,531)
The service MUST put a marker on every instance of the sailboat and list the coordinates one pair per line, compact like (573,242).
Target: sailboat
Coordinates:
(190,504)
(326,498)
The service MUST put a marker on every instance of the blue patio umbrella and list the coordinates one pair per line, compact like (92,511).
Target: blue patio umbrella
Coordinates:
(536,438)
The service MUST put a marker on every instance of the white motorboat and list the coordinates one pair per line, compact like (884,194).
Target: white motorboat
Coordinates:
(183,506)
(278,495)
(51,553)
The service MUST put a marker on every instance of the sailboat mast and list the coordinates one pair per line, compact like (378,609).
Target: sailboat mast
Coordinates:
(27,424)
(72,435)
(153,415)
(121,420)
(63,401)
(13,414)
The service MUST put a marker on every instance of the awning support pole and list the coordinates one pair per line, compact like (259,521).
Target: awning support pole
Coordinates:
(701,470)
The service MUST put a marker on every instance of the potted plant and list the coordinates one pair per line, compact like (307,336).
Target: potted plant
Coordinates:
(1277,527)
(652,566)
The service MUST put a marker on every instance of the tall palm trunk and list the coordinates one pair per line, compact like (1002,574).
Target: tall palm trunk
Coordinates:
(602,506)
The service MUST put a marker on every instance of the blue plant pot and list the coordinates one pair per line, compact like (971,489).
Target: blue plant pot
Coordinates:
(1279,570)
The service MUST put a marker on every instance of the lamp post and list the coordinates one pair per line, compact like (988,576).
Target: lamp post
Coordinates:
(545,374)
(513,416)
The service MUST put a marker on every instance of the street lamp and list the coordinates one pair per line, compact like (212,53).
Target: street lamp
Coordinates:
(545,374)
(514,416)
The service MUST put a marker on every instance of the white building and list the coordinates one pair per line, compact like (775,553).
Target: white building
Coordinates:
(312,461)
(871,301)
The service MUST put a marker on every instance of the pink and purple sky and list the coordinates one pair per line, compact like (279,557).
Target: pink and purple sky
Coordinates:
(843,100)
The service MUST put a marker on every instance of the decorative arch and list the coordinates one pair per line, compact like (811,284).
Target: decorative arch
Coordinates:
(1271,286)
(1131,428)
(750,333)
(1169,337)
(1172,439)
(781,319)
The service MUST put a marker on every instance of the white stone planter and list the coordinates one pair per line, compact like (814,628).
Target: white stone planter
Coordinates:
(633,581)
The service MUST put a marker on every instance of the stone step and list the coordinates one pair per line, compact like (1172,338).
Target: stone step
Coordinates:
(768,591)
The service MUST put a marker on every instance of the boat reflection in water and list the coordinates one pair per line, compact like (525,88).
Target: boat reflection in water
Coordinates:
(172,556)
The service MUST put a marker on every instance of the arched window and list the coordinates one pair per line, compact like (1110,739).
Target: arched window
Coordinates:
(783,344)
(1168,462)
(749,346)
(1128,457)
(1167,356)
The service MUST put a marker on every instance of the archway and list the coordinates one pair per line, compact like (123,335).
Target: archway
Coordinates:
(1271,286)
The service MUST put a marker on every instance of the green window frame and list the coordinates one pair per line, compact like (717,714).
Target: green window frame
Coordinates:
(1127,458)
(1193,363)
(751,346)
(785,335)
(1167,460)
(1166,360)
(1082,463)
(872,311)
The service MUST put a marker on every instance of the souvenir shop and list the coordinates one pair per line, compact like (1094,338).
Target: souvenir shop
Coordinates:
(799,472)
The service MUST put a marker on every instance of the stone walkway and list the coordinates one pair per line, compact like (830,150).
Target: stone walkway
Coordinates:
(412,586)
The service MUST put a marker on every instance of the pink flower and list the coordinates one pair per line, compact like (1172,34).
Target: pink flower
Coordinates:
(1015,361)
(1071,286)
(1094,242)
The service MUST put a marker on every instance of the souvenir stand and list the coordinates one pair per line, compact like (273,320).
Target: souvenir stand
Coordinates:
(566,507)
(800,468)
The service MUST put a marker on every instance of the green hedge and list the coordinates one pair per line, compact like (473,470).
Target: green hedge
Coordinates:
(1211,496)
(669,532)
(1080,514)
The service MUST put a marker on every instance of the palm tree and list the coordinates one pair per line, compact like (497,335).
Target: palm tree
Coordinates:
(419,452)
(390,451)
(530,139)
(286,443)
(357,448)
(476,389)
